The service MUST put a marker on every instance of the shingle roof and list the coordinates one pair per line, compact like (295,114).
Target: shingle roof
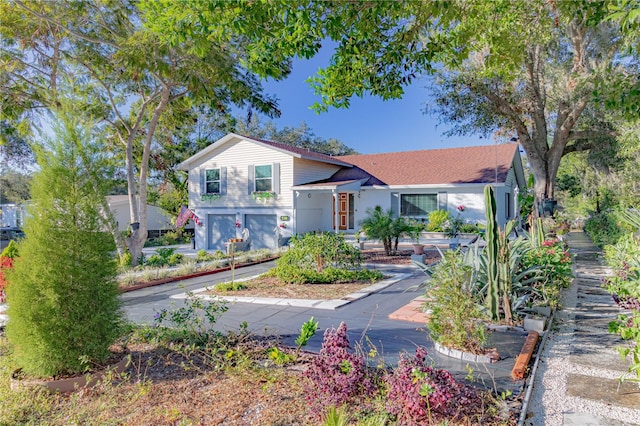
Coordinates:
(476,164)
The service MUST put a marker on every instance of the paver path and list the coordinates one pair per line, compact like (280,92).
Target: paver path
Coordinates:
(577,380)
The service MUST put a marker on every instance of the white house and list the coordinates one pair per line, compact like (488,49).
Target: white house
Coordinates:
(276,190)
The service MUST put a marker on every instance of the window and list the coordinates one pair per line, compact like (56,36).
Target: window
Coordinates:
(212,181)
(263,181)
(418,205)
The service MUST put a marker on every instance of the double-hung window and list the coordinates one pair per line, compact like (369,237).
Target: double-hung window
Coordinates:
(263,178)
(212,181)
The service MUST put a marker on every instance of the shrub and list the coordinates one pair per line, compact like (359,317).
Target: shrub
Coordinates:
(191,323)
(454,318)
(437,219)
(125,260)
(317,258)
(203,256)
(230,286)
(420,394)
(337,376)
(604,228)
(6,263)
(165,256)
(381,225)
(11,250)
(62,295)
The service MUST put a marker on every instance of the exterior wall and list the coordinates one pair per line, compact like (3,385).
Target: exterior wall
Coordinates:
(237,156)
(157,219)
(313,213)
(12,214)
(306,171)
(472,198)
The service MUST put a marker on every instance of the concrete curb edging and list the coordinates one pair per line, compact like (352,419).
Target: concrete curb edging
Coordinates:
(305,303)
(464,356)
(532,375)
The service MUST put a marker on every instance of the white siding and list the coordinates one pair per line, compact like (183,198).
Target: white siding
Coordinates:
(236,157)
(306,171)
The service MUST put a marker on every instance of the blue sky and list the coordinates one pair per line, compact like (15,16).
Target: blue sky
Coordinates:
(370,125)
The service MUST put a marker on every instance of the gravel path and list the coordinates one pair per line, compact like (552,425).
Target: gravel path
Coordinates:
(577,378)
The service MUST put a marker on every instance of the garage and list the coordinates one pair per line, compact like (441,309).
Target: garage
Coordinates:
(262,230)
(221,227)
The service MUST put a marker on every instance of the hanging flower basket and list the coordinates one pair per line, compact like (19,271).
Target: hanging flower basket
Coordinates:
(211,196)
(264,195)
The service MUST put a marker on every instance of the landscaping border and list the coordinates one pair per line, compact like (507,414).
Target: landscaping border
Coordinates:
(193,275)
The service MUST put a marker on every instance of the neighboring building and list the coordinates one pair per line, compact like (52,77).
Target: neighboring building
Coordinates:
(12,214)
(276,190)
(158,220)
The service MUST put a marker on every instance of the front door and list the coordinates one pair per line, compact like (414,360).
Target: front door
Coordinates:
(345,211)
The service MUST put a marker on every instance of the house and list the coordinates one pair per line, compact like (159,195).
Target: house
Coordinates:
(276,190)
(158,220)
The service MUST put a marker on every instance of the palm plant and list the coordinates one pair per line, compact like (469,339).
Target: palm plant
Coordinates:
(381,225)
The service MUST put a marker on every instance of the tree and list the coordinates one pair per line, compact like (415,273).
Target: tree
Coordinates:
(301,137)
(524,68)
(62,293)
(381,225)
(130,77)
(546,98)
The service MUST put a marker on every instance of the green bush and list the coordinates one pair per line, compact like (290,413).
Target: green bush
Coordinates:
(315,251)
(437,220)
(605,228)
(11,250)
(165,256)
(381,225)
(454,320)
(62,294)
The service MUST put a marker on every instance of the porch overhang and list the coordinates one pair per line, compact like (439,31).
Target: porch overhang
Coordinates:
(343,186)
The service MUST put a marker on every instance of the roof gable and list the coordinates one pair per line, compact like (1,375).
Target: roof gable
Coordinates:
(288,149)
(476,164)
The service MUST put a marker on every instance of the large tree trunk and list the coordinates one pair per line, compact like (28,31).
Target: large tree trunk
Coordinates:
(138,193)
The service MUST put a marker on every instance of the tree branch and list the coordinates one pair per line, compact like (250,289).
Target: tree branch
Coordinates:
(60,25)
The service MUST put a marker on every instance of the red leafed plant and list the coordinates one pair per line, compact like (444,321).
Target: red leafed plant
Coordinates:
(5,263)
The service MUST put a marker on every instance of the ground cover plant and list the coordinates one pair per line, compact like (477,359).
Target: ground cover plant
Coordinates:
(624,286)
(182,371)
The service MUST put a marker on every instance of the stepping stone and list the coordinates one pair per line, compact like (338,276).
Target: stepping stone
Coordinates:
(602,360)
(596,322)
(582,419)
(593,291)
(607,391)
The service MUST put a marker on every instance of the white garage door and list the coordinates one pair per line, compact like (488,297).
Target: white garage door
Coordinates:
(261,230)
(221,227)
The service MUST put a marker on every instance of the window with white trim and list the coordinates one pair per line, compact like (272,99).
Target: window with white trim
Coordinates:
(212,181)
(263,178)
(418,205)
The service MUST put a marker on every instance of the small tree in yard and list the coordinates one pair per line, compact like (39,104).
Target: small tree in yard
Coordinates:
(381,225)
(62,295)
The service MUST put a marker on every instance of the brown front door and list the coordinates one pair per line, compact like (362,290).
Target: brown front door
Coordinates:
(343,211)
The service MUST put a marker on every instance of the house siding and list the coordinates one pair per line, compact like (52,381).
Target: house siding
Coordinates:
(306,171)
(237,156)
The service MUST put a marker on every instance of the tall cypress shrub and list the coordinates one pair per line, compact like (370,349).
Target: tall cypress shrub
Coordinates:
(64,310)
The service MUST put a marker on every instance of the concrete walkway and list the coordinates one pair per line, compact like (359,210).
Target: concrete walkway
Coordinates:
(577,382)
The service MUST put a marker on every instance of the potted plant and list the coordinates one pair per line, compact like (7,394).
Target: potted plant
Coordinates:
(414,230)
